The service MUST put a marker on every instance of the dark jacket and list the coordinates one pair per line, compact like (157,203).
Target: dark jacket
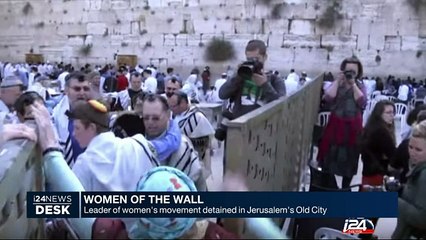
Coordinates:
(232,89)
(412,205)
(377,150)
(400,160)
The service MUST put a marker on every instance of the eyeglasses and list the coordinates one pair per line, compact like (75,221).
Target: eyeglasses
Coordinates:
(151,118)
(78,88)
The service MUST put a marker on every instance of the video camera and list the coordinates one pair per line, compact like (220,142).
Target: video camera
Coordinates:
(349,74)
(249,67)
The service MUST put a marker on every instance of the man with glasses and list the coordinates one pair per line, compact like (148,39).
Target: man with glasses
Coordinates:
(194,124)
(156,118)
(76,88)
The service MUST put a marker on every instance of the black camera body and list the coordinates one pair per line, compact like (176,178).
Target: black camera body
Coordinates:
(248,68)
(349,74)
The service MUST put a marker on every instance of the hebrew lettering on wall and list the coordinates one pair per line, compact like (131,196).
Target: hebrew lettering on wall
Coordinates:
(275,146)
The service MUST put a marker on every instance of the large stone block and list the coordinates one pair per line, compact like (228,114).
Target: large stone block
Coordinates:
(302,27)
(376,42)
(76,41)
(308,41)
(93,5)
(240,40)
(276,26)
(96,28)
(393,43)
(211,2)
(410,43)
(194,40)
(250,26)
(119,4)
(72,29)
(409,27)
(340,41)
(213,26)
(422,44)
(422,27)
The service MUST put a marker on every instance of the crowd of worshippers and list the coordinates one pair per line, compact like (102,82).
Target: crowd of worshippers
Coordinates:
(101,161)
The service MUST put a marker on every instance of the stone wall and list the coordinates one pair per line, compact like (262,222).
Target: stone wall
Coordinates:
(388,35)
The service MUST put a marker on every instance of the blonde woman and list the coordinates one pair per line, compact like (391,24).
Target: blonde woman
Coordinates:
(412,203)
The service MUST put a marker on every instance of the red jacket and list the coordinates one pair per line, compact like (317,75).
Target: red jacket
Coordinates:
(122,83)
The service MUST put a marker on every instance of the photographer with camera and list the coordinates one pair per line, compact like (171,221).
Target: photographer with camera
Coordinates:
(250,89)
(339,151)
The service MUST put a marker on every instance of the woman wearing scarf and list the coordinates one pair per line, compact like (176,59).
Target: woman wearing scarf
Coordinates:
(339,151)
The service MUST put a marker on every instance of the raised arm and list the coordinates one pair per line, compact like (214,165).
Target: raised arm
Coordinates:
(58,175)
(230,88)
(168,144)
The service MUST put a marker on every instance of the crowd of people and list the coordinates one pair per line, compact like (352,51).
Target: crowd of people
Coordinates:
(95,122)
(346,140)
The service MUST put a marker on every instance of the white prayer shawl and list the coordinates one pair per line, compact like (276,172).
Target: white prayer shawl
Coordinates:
(124,97)
(3,107)
(38,88)
(186,159)
(7,115)
(112,164)
(60,121)
(194,124)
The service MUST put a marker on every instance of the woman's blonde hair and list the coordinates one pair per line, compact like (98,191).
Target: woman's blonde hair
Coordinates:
(419,130)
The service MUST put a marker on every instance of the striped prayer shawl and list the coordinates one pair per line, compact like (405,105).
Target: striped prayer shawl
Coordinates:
(186,159)
(149,151)
(198,129)
(60,121)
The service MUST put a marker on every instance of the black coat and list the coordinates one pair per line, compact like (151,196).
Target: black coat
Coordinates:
(377,148)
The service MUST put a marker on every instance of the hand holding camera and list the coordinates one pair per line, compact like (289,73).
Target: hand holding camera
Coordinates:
(252,69)
(350,76)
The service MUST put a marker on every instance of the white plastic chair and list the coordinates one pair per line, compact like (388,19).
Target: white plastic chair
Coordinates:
(379,98)
(323,118)
(330,233)
(375,94)
(401,110)
(392,98)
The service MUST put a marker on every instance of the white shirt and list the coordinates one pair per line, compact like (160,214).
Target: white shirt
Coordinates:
(31,77)
(291,86)
(61,79)
(9,70)
(3,107)
(217,85)
(403,92)
(150,85)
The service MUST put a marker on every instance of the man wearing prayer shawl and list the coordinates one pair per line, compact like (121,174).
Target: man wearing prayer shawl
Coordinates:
(156,117)
(76,88)
(124,98)
(194,124)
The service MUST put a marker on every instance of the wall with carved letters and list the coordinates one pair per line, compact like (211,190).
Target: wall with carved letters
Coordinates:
(388,35)
(271,145)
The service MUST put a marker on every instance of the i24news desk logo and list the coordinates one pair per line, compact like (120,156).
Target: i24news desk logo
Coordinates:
(358,226)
